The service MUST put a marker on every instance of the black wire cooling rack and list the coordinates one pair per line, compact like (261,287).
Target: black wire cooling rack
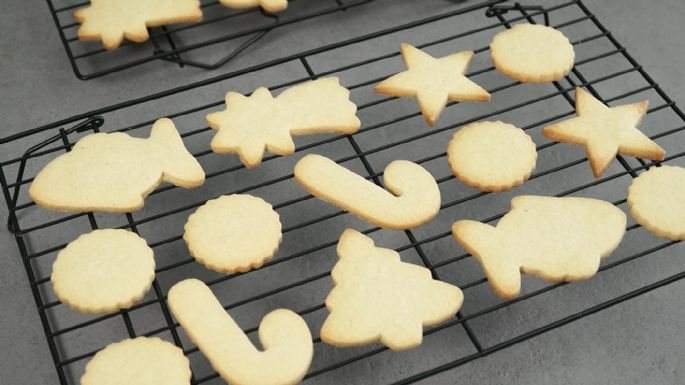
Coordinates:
(299,275)
(228,31)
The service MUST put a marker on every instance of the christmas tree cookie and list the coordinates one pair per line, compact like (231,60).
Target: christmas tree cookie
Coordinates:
(377,297)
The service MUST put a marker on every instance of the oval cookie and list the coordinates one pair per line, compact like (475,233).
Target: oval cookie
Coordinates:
(139,361)
(233,233)
(532,53)
(657,201)
(103,271)
(491,156)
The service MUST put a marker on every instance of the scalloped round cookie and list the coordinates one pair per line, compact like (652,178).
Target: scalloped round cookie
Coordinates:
(139,361)
(657,201)
(532,53)
(233,233)
(491,156)
(103,271)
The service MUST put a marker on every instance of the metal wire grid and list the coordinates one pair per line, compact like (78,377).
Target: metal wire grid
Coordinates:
(413,242)
(174,43)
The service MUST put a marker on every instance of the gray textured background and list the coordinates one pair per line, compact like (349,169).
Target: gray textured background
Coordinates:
(640,341)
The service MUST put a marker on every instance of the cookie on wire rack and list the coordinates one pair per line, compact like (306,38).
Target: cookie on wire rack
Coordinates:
(657,201)
(113,20)
(233,233)
(558,239)
(138,361)
(491,156)
(433,81)
(532,53)
(103,271)
(605,131)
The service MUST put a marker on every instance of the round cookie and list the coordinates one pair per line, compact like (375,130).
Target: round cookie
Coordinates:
(491,156)
(103,271)
(139,361)
(532,53)
(657,201)
(233,233)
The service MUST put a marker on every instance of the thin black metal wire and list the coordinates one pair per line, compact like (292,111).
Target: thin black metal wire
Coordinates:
(414,242)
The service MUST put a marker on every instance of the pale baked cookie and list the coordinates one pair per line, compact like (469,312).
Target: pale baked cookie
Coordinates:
(532,53)
(138,361)
(115,172)
(268,5)
(103,271)
(287,346)
(558,239)
(377,297)
(657,201)
(113,20)
(433,81)
(412,200)
(233,233)
(605,131)
(491,156)
(252,124)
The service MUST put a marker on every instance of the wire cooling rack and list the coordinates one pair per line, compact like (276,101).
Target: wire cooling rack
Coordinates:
(222,29)
(299,275)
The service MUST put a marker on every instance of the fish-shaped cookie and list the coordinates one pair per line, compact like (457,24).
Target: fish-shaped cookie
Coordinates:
(114,172)
(558,239)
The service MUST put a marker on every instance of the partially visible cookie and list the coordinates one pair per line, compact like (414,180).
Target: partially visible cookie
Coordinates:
(605,131)
(433,81)
(268,5)
(103,271)
(286,343)
(413,198)
(491,156)
(532,53)
(657,201)
(558,239)
(113,20)
(138,361)
(377,297)
(233,233)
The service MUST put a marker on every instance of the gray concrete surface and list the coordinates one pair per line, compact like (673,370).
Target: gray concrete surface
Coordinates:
(637,342)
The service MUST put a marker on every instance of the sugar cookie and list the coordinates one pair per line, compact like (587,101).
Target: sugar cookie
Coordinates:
(657,201)
(138,361)
(103,271)
(433,81)
(558,239)
(413,200)
(377,297)
(284,335)
(605,131)
(268,5)
(115,172)
(532,53)
(491,156)
(233,233)
(113,20)
(252,124)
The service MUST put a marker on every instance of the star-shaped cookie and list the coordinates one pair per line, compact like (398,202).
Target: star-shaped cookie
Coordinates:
(433,81)
(605,131)
(252,124)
